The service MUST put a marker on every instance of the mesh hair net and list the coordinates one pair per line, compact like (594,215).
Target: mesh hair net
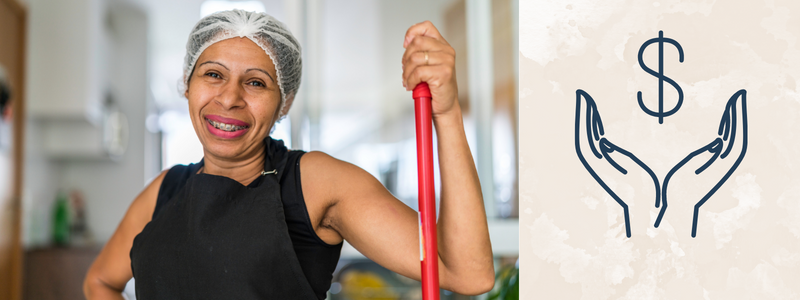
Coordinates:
(264,30)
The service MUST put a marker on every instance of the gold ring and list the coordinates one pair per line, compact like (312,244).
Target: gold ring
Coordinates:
(426,58)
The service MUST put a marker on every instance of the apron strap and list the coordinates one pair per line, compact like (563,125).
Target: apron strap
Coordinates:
(277,156)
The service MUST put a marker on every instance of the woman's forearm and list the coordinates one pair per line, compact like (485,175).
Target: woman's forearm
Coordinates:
(464,246)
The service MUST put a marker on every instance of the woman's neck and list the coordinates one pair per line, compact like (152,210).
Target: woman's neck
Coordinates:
(244,170)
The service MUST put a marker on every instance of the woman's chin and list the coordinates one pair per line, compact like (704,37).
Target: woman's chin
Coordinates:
(230,148)
(223,151)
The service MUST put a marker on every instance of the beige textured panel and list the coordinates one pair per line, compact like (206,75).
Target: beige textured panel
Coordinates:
(572,233)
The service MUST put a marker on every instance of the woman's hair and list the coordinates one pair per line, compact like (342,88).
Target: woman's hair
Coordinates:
(264,30)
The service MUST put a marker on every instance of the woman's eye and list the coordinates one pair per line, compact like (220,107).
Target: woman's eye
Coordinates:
(213,75)
(256,83)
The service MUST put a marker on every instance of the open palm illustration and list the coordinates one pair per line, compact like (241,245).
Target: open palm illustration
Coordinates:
(589,133)
(725,145)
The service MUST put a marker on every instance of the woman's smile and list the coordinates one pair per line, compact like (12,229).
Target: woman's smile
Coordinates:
(225,128)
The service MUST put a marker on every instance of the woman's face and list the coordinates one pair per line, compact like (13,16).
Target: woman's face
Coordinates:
(233,98)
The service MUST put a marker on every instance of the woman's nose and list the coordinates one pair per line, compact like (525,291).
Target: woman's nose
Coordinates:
(231,95)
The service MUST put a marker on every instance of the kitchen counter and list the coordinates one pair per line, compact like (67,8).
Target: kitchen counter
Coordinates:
(57,272)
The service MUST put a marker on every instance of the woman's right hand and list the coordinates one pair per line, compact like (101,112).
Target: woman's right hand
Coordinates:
(111,270)
(430,58)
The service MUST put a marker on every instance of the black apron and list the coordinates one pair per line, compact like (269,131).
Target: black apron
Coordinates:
(218,239)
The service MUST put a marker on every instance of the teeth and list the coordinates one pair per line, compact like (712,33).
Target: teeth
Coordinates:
(225,127)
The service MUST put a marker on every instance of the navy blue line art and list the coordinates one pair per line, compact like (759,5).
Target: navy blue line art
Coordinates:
(661,78)
(727,136)
(720,148)
(594,132)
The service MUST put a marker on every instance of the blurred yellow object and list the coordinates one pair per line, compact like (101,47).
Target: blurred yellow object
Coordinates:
(358,285)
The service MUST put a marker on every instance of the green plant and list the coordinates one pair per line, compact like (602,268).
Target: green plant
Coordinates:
(506,285)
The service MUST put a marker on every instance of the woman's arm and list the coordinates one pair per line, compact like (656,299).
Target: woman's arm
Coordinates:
(111,269)
(464,245)
(359,209)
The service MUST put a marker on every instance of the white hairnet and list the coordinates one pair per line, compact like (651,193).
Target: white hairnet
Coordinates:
(264,30)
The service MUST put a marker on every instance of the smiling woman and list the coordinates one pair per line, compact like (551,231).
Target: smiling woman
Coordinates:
(234,101)
(253,220)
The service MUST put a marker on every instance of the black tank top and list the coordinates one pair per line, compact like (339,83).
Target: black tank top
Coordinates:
(317,259)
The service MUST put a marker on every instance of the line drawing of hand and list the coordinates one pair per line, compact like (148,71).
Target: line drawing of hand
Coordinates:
(720,149)
(602,148)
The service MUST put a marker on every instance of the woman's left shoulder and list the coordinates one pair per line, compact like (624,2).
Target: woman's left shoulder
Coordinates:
(331,174)
(318,165)
(322,163)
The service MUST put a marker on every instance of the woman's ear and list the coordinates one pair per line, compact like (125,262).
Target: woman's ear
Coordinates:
(289,101)
(277,115)
(186,88)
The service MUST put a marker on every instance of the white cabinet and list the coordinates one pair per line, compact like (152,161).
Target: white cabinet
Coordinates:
(70,50)
(66,58)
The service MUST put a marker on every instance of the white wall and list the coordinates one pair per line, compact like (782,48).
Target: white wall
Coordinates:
(40,184)
(108,185)
(362,98)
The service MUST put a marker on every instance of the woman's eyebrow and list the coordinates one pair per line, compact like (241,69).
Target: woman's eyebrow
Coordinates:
(214,62)
(260,70)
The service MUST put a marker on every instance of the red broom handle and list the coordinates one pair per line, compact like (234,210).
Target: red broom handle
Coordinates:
(429,255)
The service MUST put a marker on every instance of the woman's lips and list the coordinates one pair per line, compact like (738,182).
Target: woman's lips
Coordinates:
(225,120)
(225,128)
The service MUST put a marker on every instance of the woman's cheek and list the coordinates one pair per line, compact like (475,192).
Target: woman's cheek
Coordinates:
(200,98)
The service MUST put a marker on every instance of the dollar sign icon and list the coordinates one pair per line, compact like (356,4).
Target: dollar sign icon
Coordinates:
(661,78)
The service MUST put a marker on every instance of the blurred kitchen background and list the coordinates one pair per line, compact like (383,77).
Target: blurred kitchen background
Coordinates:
(95,114)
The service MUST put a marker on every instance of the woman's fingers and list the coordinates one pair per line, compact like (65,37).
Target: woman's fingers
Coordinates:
(429,58)
(426,29)
(424,43)
(441,81)
(425,51)
(441,63)
(435,76)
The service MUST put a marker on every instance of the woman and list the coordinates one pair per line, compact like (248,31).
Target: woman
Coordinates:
(253,220)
